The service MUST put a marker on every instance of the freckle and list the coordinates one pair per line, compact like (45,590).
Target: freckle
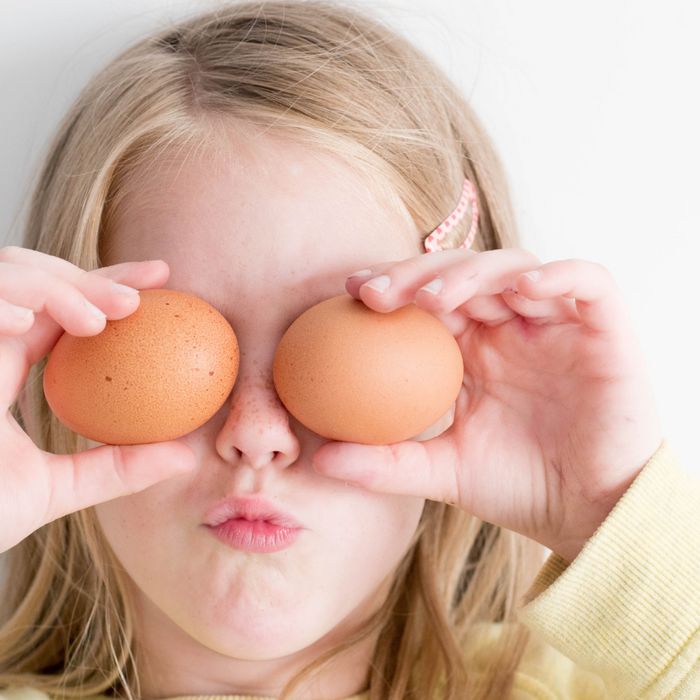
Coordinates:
(211,374)
(177,315)
(255,362)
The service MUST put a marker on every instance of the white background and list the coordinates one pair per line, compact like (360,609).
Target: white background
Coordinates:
(593,107)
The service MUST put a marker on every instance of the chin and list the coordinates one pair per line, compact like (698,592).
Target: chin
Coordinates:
(250,624)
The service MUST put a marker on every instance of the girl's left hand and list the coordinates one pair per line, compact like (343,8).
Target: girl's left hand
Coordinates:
(556,415)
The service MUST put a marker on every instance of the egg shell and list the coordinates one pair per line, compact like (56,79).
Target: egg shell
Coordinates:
(353,374)
(155,375)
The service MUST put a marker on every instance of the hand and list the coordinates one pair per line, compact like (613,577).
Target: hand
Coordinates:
(556,415)
(37,487)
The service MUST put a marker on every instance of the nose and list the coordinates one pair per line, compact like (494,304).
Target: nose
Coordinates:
(256,431)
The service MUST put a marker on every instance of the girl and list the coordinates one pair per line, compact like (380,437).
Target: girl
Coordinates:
(266,157)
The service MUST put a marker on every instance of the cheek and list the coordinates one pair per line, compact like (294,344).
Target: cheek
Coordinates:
(373,532)
(136,526)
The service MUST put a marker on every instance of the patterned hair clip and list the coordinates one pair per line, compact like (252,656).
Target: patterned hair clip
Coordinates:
(432,242)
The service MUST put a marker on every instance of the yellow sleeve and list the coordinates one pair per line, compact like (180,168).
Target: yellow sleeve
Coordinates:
(628,607)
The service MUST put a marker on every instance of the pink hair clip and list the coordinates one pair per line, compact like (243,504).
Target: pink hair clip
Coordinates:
(432,242)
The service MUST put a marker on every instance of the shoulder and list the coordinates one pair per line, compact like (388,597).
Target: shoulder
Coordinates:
(23,694)
(34,694)
(543,673)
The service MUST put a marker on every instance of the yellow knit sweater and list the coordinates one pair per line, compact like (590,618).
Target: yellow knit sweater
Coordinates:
(623,620)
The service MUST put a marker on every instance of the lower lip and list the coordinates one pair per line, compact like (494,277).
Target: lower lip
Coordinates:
(256,536)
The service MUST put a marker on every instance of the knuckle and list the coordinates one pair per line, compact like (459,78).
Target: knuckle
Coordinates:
(527,255)
(604,270)
(531,257)
(42,283)
(588,267)
(411,265)
(605,275)
(10,253)
(84,280)
(119,465)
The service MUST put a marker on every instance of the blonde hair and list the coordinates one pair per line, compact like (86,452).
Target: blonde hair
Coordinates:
(342,81)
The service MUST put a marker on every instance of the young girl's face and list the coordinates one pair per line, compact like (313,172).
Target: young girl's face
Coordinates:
(261,229)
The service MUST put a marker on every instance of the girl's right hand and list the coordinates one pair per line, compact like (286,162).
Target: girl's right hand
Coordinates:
(40,297)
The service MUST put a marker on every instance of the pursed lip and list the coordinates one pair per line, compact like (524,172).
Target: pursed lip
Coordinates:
(253,509)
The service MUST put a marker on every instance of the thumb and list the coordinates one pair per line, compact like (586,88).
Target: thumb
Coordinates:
(103,473)
(425,469)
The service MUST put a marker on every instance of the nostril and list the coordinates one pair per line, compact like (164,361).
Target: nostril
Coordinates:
(256,430)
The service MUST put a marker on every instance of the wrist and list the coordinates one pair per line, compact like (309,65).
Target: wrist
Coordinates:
(587,520)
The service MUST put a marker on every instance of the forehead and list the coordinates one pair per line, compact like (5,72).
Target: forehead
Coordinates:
(263,215)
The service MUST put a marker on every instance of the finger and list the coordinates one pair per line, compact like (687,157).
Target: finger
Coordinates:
(546,311)
(33,258)
(147,274)
(441,282)
(103,473)
(489,310)
(599,301)
(357,279)
(423,469)
(46,283)
(14,320)
(426,265)
(59,304)
(141,274)
(392,285)
(78,301)
(99,287)
(14,369)
(497,309)
(68,303)
(488,273)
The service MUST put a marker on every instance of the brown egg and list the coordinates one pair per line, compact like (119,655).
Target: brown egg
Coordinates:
(353,374)
(153,376)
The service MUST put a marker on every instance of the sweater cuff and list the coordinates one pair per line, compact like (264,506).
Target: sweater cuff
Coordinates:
(628,608)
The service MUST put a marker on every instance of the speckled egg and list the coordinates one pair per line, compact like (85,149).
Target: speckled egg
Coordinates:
(353,374)
(153,376)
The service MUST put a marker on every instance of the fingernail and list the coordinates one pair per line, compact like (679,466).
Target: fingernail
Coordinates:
(534,275)
(361,273)
(94,310)
(379,284)
(123,289)
(21,312)
(433,287)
